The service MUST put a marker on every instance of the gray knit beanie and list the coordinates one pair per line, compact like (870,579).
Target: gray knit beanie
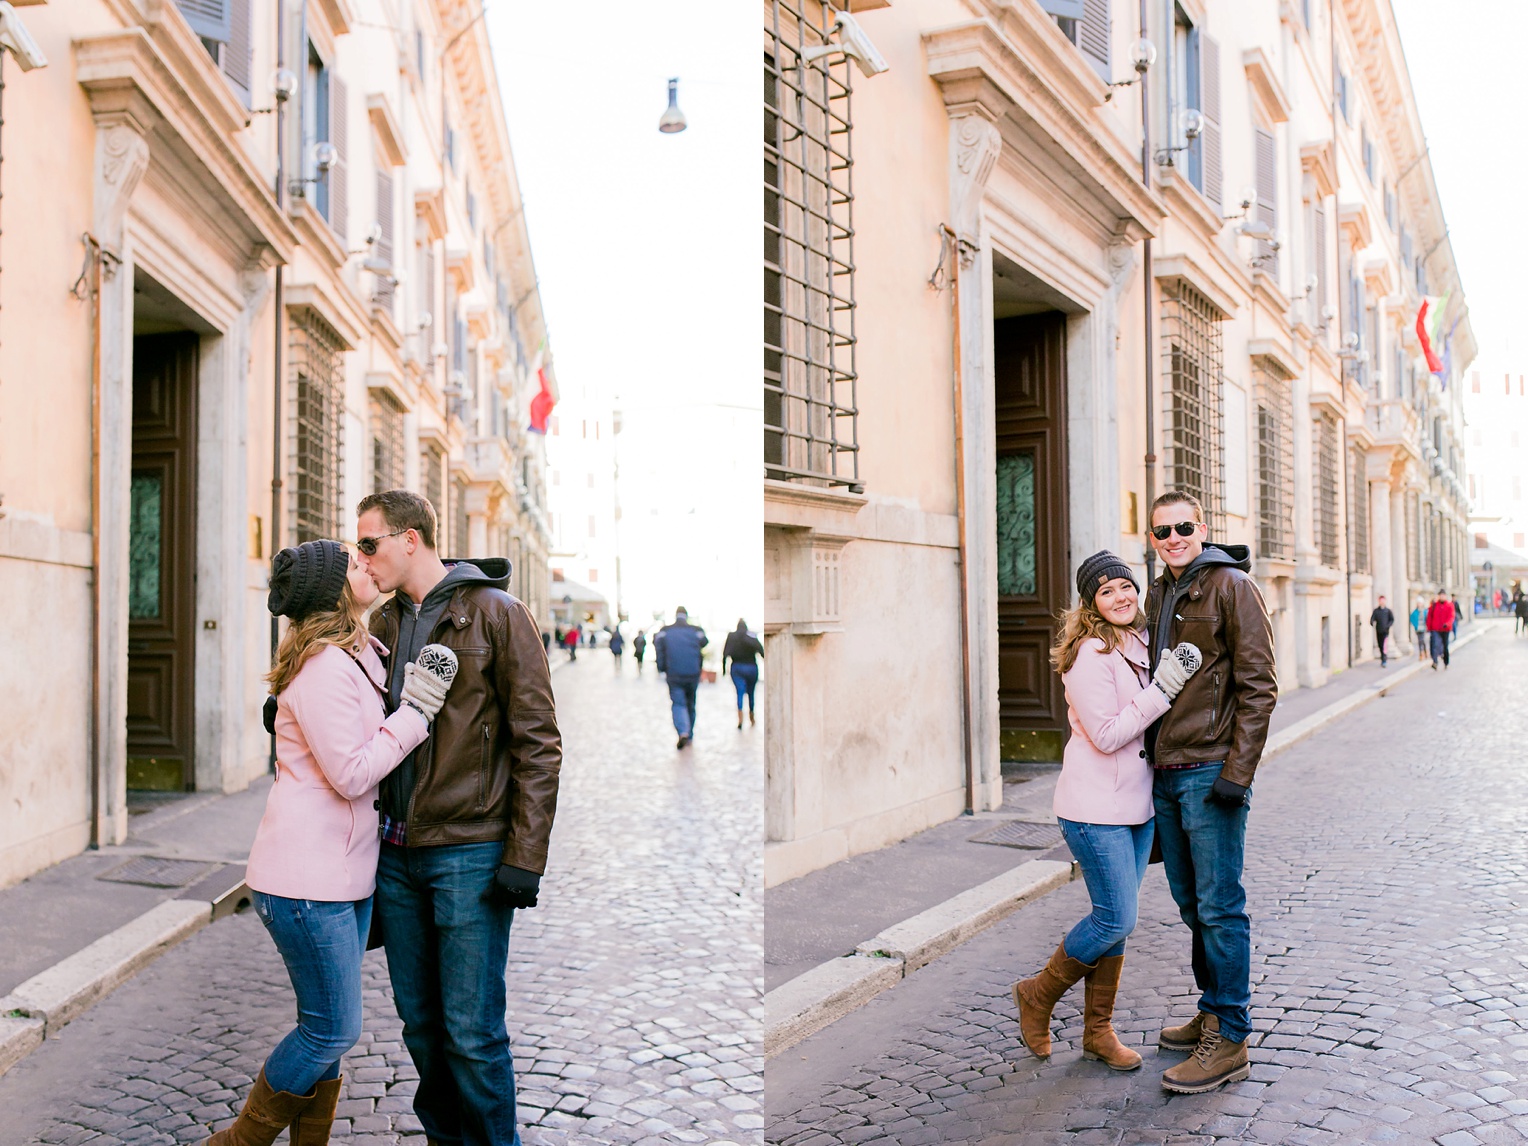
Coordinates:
(1100,569)
(308,579)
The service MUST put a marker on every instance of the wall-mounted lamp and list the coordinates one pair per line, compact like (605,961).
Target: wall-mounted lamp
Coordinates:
(324,157)
(1143,53)
(1192,122)
(672,120)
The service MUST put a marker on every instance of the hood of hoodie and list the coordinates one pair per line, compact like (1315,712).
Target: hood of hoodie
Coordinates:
(492,571)
(1237,556)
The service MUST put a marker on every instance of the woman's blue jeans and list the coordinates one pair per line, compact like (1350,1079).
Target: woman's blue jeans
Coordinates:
(1113,860)
(321,944)
(745,678)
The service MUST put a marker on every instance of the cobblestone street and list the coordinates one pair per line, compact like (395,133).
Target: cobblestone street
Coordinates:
(1387,875)
(635,986)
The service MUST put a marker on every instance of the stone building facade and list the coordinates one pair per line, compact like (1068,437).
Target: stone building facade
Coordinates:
(1013,290)
(274,259)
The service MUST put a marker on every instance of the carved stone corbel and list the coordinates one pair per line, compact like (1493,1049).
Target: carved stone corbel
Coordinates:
(975,143)
(121,158)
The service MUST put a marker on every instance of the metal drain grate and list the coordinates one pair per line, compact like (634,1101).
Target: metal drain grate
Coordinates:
(1021,834)
(155,871)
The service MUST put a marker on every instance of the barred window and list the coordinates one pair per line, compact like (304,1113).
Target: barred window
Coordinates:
(1413,536)
(1275,462)
(1326,493)
(1358,508)
(432,483)
(386,428)
(810,430)
(318,415)
(1194,449)
(459,524)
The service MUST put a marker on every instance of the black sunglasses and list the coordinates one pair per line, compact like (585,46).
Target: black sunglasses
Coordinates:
(1184,529)
(368,545)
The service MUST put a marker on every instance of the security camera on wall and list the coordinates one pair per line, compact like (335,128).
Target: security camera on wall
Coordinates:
(853,43)
(15,39)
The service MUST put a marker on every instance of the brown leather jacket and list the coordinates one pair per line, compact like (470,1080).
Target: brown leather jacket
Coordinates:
(1223,711)
(489,770)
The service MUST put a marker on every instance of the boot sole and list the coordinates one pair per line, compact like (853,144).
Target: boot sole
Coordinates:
(1136,1065)
(1168,1045)
(1240,1074)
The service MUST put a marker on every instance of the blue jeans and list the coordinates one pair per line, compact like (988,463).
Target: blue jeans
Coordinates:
(1439,647)
(447,948)
(1113,861)
(745,679)
(1202,851)
(682,694)
(321,944)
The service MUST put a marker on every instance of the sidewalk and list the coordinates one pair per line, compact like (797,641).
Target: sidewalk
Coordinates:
(812,921)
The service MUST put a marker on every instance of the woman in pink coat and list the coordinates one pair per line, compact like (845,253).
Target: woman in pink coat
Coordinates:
(313,865)
(1103,799)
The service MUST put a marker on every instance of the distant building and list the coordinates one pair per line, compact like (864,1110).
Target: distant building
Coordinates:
(581,494)
(1496,415)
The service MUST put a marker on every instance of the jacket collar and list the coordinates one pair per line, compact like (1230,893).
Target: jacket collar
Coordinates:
(1133,649)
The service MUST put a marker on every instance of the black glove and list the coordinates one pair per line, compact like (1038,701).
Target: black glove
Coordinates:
(268,714)
(1226,793)
(515,887)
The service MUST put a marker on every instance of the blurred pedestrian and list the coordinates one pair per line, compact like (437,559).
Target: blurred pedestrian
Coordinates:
(677,648)
(1383,620)
(1419,627)
(639,647)
(1440,626)
(1103,799)
(1520,611)
(570,642)
(617,645)
(1458,613)
(744,650)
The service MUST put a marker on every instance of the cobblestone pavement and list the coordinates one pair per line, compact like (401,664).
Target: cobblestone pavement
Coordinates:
(635,987)
(1387,873)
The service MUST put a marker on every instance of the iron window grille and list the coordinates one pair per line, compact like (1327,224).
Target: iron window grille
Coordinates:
(386,426)
(1275,462)
(1358,508)
(810,411)
(1326,500)
(317,427)
(432,483)
(1194,425)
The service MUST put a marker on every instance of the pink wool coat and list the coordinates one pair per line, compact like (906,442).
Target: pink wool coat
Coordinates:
(1110,702)
(334,743)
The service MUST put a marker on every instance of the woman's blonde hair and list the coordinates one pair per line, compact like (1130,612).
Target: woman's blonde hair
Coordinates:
(344,626)
(1083,621)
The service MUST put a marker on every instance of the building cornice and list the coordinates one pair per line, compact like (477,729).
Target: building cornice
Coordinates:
(385,126)
(1319,161)
(338,313)
(1265,85)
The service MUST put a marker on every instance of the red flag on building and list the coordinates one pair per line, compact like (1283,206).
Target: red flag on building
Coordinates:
(1434,364)
(542,403)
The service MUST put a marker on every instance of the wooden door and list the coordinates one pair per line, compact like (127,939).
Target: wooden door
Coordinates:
(161,607)
(1032,529)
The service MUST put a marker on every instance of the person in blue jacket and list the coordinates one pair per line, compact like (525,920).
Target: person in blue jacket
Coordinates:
(677,649)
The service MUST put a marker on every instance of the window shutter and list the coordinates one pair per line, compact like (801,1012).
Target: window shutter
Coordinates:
(1267,182)
(1209,87)
(1066,9)
(384,296)
(209,19)
(238,55)
(1093,36)
(430,305)
(339,135)
(1320,256)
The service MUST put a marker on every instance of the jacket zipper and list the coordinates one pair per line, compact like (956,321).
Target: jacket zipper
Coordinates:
(483,771)
(1214,701)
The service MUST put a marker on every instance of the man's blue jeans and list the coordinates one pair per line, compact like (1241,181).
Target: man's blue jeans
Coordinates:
(1202,851)
(447,948)
(682,694)
(1113,861)
(321,944)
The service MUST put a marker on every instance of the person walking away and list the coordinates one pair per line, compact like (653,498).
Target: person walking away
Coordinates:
(617,645)
(1383,620)
(313,864)
(1419,627)
(1102,799)
(1205,752)
(1440,625)
(466,821)
(639,648)
(677,649)
(1520,611)
(744,650)
(570,643)
(1458,613)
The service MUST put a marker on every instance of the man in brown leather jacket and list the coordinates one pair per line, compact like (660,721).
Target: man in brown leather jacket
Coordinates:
(466,818)
(1204,753)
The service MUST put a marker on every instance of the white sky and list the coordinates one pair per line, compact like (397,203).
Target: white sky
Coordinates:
(1467,86)
(648,251)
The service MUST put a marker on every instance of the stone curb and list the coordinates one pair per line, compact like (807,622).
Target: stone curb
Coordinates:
(828,992)
(820,997)
(46,1002)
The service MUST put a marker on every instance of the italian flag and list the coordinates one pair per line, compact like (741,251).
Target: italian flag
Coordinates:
(541,404)
(1429,323)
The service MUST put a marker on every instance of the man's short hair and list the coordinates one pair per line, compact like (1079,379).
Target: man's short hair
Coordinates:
(1176,497)
(403,509)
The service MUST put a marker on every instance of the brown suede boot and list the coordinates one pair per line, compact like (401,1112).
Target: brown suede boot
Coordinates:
(1184,1038)
(315,1120)
(1098,1038)
(1214,1063)
(1036,998)
(266,1114)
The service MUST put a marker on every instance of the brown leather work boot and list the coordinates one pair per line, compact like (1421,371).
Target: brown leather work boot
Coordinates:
(1036,998)
(1214,1063)
(1184,1038)
(316,1119)
(266,1114)
(1098,1038)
